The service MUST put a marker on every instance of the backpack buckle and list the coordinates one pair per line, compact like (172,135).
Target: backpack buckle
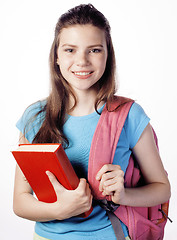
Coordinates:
(108,205)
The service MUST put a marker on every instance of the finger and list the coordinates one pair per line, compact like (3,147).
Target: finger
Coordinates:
(55,183)
(106,179)
(109,182)
(88,191)
(82,184)
(106,168)
(108,191)
(85,193)
(113,176)
(110,177)
(104,187)
(105,193)
(89,195)
(117,187)
(84,187)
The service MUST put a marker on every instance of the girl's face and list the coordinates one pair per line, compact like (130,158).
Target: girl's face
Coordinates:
(82,56)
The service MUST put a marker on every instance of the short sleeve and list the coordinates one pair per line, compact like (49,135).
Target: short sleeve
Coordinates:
(136,122)
(30,122)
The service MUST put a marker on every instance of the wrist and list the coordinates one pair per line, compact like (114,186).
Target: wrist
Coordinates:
(56,211)
(120,198)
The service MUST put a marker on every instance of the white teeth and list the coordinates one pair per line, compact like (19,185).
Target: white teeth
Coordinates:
(82,73)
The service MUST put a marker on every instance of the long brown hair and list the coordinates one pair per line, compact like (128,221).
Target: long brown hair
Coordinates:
(57,103)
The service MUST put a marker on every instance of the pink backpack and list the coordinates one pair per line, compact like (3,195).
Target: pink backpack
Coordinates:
(143,222)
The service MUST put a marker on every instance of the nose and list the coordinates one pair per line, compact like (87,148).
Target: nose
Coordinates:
(82,59)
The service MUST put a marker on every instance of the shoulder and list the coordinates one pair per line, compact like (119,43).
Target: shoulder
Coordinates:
(34,108)
(31,120)
(136,110)
(135,123)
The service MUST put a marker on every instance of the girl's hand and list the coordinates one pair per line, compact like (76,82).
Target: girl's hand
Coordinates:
(71,202)
(111,179)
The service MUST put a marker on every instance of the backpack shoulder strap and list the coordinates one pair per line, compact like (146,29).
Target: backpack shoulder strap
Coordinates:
(105,139)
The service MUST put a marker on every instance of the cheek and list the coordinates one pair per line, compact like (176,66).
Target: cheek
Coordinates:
(65,64)
(63,60)
(102,64)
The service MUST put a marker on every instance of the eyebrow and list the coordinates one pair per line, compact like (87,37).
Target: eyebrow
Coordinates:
(74,46)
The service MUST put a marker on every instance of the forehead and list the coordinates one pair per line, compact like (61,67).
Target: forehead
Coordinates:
(82,34)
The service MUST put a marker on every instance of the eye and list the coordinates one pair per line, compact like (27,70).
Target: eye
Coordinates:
(69,50)
(95,50)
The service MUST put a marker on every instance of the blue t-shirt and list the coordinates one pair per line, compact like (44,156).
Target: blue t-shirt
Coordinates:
(80,131)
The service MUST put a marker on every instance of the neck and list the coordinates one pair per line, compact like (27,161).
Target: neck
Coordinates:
(85,103)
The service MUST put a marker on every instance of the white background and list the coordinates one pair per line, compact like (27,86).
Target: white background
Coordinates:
(145,39)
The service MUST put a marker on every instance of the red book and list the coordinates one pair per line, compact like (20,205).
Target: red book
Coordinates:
(35,159)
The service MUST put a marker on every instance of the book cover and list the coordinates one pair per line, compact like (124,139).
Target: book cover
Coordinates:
(35,159)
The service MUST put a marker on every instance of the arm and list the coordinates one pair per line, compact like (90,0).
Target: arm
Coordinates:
(68,204)
(157,188)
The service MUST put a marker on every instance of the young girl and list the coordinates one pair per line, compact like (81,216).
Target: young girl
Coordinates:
(82,66)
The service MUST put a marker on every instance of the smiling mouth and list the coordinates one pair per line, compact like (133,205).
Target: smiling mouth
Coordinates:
(82,73)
